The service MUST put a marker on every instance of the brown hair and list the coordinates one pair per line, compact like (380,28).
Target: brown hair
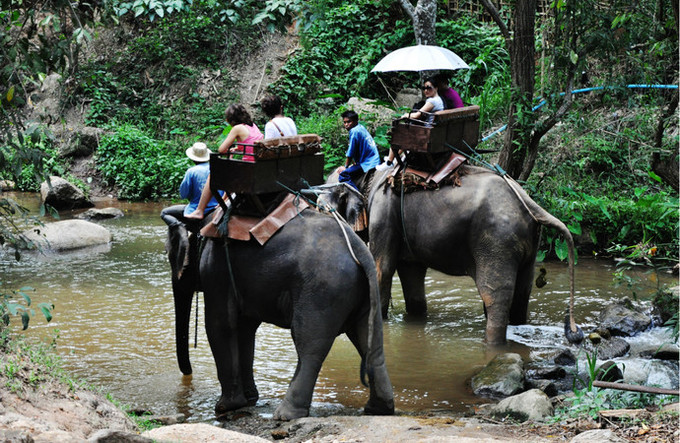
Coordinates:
(236,114)
(271,105)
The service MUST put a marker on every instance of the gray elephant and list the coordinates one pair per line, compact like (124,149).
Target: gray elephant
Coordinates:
(487,228)
(304,278)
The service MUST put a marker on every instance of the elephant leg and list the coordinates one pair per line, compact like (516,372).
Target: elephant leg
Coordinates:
(381,398)
(496,285)
(520,301)
(246,348)
(312,348)
(221,325)
(412,277)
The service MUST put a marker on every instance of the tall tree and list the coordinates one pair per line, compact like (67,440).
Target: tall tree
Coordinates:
(423,16)
(524,132)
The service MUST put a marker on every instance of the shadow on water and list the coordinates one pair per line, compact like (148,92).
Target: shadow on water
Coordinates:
(114,316)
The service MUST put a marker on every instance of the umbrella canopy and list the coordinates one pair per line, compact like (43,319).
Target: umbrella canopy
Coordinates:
(420,58)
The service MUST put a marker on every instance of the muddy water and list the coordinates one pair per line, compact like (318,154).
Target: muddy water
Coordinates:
(114,321)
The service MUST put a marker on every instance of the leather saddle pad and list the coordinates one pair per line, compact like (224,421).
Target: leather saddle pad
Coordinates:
(243,227)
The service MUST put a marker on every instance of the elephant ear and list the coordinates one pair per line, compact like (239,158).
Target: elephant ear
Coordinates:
(177,248)
(353,207)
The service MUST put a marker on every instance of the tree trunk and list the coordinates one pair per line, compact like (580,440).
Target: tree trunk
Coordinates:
(424,16)
(665,164)
(520,118)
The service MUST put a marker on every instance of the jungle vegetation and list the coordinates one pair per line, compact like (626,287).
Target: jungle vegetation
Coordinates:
(602,161)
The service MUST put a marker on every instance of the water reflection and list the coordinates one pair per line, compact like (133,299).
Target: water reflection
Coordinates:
(114,314)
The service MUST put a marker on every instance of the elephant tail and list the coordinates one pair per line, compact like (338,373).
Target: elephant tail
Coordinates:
(374,356)
(572,331)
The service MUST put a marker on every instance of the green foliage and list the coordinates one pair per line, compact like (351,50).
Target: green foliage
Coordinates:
(338,53)
(140,166)
(334,144)
(18,303)
(152,8)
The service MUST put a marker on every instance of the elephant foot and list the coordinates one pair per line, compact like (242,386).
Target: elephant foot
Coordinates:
(379,407)
(416,309)
(286,412)
(251,396)
(226,404)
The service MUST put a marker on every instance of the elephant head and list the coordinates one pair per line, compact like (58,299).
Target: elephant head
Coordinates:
(349,203)
(182,250)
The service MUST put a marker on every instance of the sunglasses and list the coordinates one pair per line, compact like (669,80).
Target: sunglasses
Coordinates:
(427,88)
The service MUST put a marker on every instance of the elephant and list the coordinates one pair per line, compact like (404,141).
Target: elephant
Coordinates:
(315,276)
(486,227)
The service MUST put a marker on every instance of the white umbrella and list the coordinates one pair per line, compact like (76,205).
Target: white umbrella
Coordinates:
(420,58)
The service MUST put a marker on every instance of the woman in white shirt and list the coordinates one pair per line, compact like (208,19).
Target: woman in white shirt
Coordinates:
(278,125)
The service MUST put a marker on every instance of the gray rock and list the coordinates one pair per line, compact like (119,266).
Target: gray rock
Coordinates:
(372,114)
(100,214)
(408,97)
(663,374)
(565,358)
(67,235)
(80,142)
(550,373)
(547,386)
(533,404)
(666,351)
(622,321)
(502,377)
(7,185)
(61,194)
(613,348)
(15,436)
(198,432)
(609,371)
(597,435)
(115,436)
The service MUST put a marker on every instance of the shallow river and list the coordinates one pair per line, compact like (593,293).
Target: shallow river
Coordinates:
(114,317)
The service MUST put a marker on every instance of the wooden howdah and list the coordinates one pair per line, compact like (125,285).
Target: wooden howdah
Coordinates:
(281,161)
(455,127)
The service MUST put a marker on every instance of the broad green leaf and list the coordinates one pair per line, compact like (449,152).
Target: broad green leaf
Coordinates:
(10,94)
(654,177)
(573,57)
(593,237)
(540,256)
(575,228)
(24,319)
(561,249)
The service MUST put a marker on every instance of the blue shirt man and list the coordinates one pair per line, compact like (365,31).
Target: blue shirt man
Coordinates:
(362,150)
(191,188)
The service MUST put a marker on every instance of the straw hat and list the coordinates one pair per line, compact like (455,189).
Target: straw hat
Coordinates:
(198,152)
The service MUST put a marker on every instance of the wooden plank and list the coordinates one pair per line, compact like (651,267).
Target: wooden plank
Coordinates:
(635,388)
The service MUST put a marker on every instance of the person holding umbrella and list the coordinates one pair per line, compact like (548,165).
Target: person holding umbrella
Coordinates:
(433,103)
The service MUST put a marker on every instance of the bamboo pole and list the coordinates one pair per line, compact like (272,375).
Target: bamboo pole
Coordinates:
(635,388)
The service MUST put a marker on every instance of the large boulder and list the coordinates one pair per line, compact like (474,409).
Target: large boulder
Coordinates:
(530,405)
(100,214)
(624,321)
(612,348)
(502,377)
(198,432)
(79,141)
(67,235)
(60,194)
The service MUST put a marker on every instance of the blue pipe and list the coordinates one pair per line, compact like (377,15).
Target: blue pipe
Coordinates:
(577,91)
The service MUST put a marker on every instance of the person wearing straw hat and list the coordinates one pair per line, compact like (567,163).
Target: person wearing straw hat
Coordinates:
(191,186)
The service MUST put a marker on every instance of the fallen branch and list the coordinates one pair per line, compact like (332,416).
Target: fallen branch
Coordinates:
(636,388)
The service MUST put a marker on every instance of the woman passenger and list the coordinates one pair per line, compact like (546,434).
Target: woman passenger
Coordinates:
(243,131)
(278,125)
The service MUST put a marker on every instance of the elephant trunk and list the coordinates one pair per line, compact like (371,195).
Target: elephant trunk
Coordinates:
(182,254)
(183,297)
(573,333)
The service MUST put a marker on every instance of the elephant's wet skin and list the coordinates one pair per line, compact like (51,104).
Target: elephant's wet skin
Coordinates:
(304,278)
(487,228)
